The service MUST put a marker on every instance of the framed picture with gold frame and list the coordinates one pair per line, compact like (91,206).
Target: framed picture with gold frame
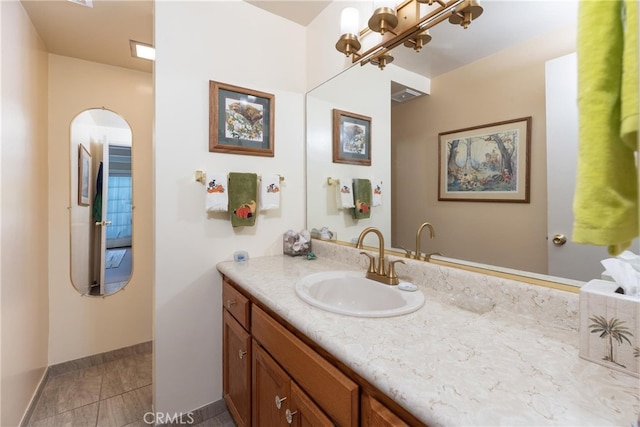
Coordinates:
(84,173)
(486,163)
(241,120)
(351,138)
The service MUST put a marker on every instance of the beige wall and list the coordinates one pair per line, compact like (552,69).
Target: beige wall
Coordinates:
(24,304)
(265,53)
(507,85)
(82,326)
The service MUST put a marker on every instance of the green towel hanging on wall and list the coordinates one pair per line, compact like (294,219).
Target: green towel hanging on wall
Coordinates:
(605,203)
(243,193)
(362,198)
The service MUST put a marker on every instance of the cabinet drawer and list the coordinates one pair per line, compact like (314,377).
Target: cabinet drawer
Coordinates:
(236,303)
(334,392)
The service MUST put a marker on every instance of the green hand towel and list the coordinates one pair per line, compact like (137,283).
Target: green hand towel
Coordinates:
(606,200)
(362,198)
(243,193)
(629,95)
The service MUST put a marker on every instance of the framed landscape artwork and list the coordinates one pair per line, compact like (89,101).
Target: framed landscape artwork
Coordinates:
(487,163)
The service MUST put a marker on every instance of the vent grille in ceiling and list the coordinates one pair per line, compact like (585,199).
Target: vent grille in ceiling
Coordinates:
(405,95)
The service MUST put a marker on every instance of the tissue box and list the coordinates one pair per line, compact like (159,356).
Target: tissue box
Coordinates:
(609,330)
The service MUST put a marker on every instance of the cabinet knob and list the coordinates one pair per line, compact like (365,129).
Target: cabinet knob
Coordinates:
(241,354)
(231,302)
(289,415)
(279,401)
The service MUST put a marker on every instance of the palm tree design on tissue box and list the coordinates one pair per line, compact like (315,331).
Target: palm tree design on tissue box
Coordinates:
(613,330)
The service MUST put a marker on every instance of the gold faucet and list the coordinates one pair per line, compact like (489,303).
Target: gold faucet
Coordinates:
(379,273)
(432,233)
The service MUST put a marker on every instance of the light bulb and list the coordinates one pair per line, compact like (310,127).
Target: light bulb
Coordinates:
(349,21)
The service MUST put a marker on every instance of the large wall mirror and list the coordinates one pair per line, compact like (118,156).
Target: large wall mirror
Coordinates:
(101,211)
(525,74)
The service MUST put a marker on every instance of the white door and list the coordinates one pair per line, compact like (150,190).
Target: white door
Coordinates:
(105,221)
(569,260)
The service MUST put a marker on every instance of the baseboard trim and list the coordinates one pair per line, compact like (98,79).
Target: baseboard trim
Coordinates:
(26,418)
(97,359)
(211,410)
(199,415)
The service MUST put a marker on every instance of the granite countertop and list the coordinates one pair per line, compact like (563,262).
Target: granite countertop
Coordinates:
(452,366)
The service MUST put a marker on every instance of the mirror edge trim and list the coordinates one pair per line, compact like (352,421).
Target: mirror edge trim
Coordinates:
(500,274)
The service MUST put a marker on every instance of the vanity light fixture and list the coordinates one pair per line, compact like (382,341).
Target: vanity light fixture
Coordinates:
(142,50)
(405,24)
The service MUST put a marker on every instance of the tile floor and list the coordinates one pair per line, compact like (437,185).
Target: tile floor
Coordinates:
(112,394)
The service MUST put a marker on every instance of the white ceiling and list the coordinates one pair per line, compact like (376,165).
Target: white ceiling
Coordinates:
(300,11)
(102,33)
(99,34)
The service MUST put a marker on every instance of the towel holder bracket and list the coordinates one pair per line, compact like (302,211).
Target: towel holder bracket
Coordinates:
(201,177)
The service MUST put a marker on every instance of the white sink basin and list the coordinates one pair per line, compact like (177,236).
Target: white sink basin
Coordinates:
(351,293)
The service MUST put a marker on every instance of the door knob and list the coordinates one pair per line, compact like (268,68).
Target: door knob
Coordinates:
(559,239)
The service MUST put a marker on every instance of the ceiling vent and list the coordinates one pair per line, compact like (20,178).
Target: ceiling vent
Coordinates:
(405,95)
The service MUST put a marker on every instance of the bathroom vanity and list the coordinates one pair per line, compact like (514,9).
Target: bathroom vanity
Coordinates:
(481,351)
(269,363)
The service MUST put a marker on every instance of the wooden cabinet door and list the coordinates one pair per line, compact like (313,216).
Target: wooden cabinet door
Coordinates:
(375,414)
(333,391)
(236,372)
(303,412)
(271,391)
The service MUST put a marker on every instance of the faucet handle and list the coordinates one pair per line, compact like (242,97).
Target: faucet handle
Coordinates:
(427,257)
(407,252)
(392,269)
(372,265)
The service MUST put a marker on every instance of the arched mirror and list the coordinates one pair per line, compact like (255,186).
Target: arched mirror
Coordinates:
(101,210)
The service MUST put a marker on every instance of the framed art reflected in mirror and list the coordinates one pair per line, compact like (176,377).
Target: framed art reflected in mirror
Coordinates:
(487,163)
(84,170)
(351,138)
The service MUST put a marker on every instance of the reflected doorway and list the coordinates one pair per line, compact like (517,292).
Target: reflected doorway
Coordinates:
(117,266)
(102,219)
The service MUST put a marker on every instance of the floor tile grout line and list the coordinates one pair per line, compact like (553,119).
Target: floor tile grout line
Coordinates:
(99,396)
(98,402)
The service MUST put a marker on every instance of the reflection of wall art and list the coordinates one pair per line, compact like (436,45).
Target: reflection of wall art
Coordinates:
(488,163)
(351,138)
(84,169)
(240,120)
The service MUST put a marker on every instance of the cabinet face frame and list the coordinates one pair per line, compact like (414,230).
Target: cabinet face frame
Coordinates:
(374,413)
(236,372)
(305,413)
(270,390)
